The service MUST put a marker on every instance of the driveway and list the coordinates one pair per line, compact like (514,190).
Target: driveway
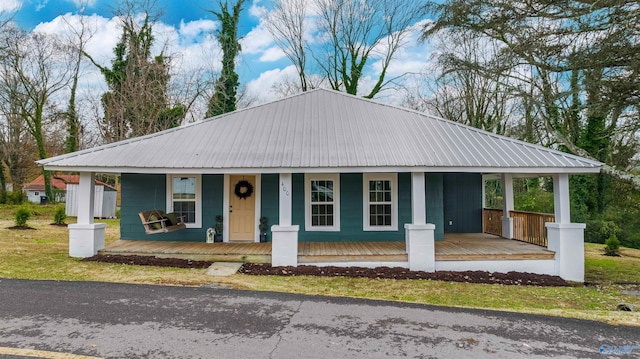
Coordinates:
(143,321)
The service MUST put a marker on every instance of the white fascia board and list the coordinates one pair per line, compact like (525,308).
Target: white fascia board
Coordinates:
(485,170)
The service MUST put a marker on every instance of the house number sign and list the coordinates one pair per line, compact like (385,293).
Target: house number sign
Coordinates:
(284,189)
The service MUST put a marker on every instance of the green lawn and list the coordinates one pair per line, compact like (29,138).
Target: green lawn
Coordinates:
(42,254)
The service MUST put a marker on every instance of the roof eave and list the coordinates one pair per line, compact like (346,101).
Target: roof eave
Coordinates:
(273,170)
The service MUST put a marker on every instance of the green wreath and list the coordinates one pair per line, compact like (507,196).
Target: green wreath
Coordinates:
(243,189)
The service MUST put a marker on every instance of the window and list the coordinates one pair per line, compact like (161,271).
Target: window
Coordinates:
(322,202)
(380,212)
(184,198)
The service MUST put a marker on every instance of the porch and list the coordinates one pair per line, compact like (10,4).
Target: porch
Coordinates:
(455,247)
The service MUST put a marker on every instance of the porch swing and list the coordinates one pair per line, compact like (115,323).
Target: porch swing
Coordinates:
(156,221)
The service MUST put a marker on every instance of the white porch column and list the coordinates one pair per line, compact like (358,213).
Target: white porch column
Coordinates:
(86,237)
(418,202)
(284,241)
(421,243)
(566,238)
(418,199)
(507,205)
(561,203)
(419,235)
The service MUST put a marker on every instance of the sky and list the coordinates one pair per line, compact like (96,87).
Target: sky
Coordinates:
(185,31)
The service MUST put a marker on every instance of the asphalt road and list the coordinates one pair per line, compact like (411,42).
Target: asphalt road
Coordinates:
(143,321)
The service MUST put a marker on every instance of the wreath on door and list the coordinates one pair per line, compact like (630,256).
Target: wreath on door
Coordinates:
(243,189)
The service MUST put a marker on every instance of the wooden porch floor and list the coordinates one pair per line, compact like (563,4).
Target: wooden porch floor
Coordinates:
(472,246)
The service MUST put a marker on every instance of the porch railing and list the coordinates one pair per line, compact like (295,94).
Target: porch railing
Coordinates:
(528,227)
(493,221)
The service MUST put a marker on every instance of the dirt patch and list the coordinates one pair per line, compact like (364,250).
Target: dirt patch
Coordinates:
(58,224)
(21,228)
(511,278)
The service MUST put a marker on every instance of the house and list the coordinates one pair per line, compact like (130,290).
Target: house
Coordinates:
(325,166)
(35,189)
(65,190)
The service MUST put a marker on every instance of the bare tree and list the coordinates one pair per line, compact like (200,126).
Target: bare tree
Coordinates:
(352,34)
(77,41)
(35,67)
(16,146)
(580,77)
(458,89)
(287,24)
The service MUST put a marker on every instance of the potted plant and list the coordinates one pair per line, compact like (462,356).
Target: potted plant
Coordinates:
(263,226)
(219,227)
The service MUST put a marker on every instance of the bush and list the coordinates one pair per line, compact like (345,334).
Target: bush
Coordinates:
(118,213)
(612,247)
(598,231)
(59,216)
(22,216)
(16,197)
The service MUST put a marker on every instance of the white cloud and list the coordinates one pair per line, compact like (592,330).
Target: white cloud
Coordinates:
(10,5)
(256,10)
(83,3)
(262,87)
(272,54)
(257,40)
(41,5)
(196,30)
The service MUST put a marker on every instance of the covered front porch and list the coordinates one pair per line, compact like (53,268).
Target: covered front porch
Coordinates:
(455,247)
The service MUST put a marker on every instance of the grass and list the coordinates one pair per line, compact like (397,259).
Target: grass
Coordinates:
(41,254)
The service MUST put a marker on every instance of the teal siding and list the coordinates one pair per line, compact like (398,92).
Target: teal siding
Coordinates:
(140,193)
(351,209)
(144,192)
(462,202)
(435,203)
(453,197)
(270,201)
(212,205)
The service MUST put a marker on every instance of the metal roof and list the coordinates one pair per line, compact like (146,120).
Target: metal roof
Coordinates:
(322,131)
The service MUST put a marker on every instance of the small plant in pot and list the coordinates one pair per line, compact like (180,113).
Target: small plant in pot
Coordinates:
(219,227)
(263,226)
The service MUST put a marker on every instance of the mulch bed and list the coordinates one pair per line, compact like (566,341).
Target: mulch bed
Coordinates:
(511,278)
(21,228)
(148,261)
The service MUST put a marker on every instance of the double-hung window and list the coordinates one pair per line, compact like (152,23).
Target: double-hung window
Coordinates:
(184,197)
(380,198)
(322,202)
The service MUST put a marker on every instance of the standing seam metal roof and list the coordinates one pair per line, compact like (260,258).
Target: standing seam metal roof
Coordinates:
(321,129)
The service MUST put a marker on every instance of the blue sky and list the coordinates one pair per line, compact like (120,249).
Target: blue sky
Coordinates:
(185,32)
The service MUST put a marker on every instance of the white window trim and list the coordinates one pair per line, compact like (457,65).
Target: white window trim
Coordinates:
(335,177)
(198,222)
(393,178)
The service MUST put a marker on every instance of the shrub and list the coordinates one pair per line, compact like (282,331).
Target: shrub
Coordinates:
(22,216)
(612,247)
(598,231)
(59,216)
(16,197)
(118,213)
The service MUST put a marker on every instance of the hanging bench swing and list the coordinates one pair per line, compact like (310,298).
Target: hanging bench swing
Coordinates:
(156,221)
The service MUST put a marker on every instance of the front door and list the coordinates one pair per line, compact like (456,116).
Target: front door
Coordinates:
(242,207)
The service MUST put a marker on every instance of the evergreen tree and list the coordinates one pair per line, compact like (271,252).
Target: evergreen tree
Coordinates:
(226,86)
(137,102)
